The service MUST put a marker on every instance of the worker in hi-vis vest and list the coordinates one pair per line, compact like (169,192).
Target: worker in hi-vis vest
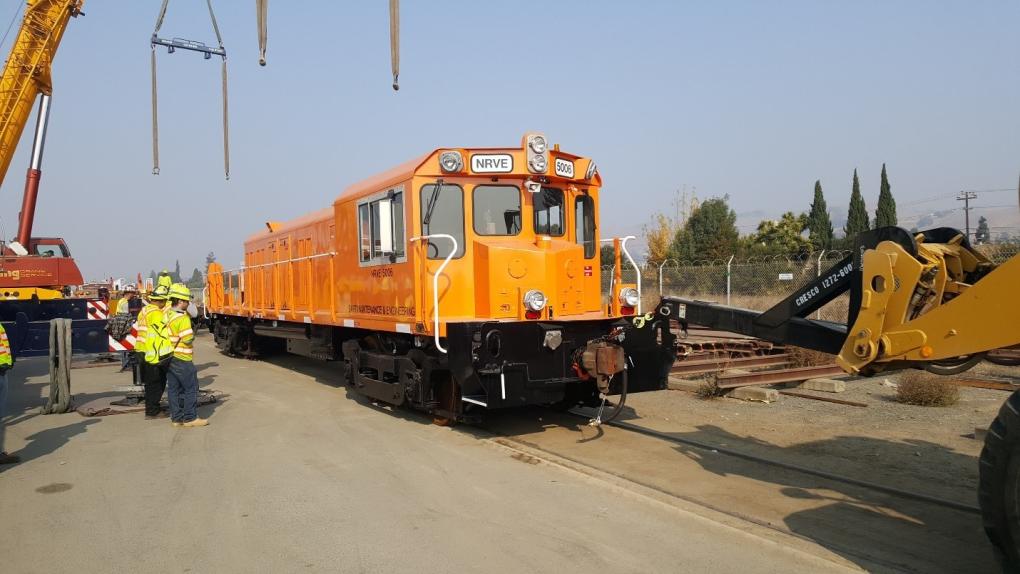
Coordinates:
(6,362)
(182,378)
(151,345)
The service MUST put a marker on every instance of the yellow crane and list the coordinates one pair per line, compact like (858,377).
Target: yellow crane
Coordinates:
(27,73)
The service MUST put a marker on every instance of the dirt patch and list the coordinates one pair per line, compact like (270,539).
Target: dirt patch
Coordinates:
(54,488)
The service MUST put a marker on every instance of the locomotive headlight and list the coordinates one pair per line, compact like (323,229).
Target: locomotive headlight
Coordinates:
(629,296)
(538,144)
(534,300)
(538,164)
(451,161)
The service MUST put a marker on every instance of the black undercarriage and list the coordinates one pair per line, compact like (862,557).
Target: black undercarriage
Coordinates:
(488,365)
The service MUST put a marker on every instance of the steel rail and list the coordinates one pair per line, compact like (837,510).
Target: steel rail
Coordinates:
(710,365)
(779,376)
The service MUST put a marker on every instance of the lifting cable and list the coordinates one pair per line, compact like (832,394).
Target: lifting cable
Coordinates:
(208,52)
(395,42)
(262,15)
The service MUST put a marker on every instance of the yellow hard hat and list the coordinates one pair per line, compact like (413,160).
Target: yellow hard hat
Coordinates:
(180,291)
(160,293)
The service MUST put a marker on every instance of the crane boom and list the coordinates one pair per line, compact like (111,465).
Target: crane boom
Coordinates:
(26,74)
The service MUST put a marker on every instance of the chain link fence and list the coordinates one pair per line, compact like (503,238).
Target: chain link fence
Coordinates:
(752,283)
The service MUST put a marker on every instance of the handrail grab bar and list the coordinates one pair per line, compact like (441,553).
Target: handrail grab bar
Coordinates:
(435,282)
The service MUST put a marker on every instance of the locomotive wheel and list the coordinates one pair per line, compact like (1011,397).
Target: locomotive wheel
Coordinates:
(999,484)
(954,366)
(447,395)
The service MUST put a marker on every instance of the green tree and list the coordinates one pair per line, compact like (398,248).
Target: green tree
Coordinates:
(709,233)
(784,236)
(983,233)
(819,223)
(607,256)
(196,280)
(885,213)
(857,216)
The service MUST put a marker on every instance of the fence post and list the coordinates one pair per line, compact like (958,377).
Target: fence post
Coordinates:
(818,313)
(664,261)
(728,265)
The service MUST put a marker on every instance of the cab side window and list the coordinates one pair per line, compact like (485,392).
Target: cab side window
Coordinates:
(442,211)
(381,228)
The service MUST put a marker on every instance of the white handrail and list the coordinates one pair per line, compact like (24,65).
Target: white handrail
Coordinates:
(637,271)
(435,282)
(205,304)
(280,262)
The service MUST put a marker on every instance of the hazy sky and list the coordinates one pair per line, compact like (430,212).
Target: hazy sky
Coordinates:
(751,99)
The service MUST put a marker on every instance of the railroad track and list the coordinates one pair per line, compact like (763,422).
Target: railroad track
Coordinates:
(716,449)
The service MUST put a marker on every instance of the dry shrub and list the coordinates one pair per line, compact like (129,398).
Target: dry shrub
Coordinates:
(709,389)
(926,390)
(801,357)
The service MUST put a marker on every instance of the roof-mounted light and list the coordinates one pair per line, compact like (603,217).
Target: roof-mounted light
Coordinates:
(451,161)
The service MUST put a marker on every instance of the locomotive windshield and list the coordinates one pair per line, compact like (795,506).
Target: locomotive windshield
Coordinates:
(497,210)
(443,212)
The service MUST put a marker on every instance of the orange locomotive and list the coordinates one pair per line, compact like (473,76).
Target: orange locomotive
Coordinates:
(463,279)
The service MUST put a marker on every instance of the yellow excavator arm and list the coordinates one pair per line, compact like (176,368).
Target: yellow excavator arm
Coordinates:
(27,71)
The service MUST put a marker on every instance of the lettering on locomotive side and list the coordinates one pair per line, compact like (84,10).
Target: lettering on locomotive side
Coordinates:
(380,272)
(381,309)
(492,163)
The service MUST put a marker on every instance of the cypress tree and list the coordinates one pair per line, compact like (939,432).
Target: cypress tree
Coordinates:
(885,213)
(857,216)
(819,223)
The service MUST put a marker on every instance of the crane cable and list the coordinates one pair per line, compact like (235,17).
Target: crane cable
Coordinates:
(262,15)
(155,120)
(395,41)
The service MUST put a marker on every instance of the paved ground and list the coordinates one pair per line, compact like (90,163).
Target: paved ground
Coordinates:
(295,475)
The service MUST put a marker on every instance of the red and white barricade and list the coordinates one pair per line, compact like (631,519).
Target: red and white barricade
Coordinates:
(97,309)
(125,344)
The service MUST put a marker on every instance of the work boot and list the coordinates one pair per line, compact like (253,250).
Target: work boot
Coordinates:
(161,415)
(9,458)
(176,423)
(195,423)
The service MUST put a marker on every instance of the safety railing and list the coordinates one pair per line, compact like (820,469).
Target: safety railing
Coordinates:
(435,282)
(623,248)
(259,298)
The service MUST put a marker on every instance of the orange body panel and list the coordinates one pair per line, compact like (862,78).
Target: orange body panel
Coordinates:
(310,269)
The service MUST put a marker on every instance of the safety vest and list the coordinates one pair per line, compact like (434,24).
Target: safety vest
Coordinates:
(5,349)
(157,341)
(143,327)
(181,335)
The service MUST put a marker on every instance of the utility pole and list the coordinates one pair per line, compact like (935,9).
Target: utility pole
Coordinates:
(965,197)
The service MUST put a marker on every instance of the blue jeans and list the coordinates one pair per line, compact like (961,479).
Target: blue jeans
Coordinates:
(182,390)
(3,407)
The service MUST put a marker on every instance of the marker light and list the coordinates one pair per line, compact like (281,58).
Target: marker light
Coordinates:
(451,161)
(534,300)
